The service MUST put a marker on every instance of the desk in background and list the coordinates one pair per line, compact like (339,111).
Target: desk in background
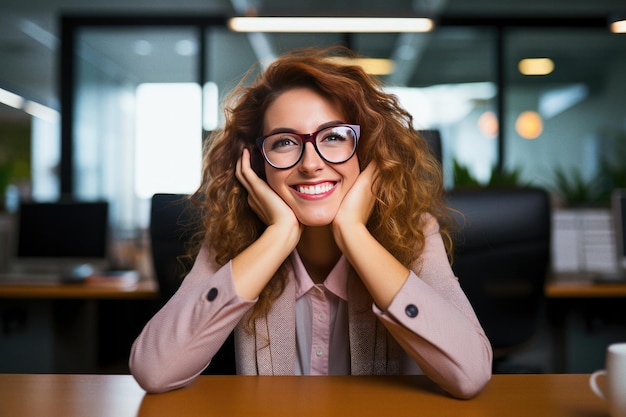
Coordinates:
(47,328)
(575,298)
(145,288)
(120,396)
(581,285)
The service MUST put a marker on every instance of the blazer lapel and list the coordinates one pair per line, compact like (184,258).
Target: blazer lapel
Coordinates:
(362,328)
(279,356)
(372,349)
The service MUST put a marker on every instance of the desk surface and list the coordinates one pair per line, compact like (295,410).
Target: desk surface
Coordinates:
(119,395)
(145,288)
(581,285)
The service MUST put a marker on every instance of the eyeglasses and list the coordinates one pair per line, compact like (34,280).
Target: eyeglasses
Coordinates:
(335,144)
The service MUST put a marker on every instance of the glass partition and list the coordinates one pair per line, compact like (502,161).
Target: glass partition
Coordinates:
(449,80)
(570,121)
(137,117)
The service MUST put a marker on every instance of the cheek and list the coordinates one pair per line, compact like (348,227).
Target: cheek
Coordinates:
(352,172)
(275,179)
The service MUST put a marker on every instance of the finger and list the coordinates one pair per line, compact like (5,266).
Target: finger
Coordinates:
(247,172)
(238,168)
(244,172)
(252,183)
(370,170)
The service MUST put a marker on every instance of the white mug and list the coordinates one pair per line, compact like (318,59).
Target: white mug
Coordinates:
(615,374)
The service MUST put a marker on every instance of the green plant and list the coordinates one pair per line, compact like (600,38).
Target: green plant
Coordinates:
(504,178)
(575,189)
(464,178)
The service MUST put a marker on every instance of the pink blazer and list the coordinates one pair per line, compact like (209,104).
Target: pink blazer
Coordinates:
(429,321)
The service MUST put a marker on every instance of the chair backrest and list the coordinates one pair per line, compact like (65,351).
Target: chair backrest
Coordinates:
(433,138)
(502,257)
(172,221)
(170,231)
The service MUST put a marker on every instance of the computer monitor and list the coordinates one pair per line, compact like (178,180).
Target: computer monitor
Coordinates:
(55,236)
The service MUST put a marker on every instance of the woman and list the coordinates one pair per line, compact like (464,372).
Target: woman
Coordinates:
(322,244)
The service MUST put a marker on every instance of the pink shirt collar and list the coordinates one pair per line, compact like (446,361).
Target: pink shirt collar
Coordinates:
(336,282)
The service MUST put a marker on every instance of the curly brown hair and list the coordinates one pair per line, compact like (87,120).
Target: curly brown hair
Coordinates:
(409,182)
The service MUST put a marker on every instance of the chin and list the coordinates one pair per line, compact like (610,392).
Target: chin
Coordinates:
(317,220)
(315,223)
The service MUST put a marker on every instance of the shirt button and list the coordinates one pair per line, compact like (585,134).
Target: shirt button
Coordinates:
(319,352)
(212,294)
(411,310)
(321,317)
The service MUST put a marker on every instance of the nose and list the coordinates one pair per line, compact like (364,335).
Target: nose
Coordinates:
(311,161)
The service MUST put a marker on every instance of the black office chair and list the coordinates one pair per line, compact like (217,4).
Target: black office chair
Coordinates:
(172,221)
(502,256)
(433,138)
(170,232)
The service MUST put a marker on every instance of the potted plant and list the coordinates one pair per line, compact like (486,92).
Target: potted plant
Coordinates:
(582,225)
(464,178)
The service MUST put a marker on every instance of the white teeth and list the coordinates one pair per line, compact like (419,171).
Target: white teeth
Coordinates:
(315,189)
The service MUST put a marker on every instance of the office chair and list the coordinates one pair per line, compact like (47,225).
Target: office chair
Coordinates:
(502,255)
(433,139)
(171,228)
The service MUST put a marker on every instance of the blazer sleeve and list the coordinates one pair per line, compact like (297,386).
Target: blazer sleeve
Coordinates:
(180,340)
(433,321)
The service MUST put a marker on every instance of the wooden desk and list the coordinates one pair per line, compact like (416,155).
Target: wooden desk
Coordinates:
(118,395)
(145,288)
(580,285)
(575,294)
(57,328)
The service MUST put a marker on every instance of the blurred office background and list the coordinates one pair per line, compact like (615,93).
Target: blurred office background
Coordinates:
(132,94)
(111,100)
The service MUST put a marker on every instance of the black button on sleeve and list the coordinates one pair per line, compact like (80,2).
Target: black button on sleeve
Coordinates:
(212,294)
(411,310)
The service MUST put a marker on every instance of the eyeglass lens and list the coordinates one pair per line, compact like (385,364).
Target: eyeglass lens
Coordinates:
(334,144)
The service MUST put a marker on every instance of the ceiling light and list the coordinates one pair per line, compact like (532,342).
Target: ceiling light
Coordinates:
(618,26)
(39,34)
(11,99)
(41,112)
(536,66)
(186,47)
(142,47)
(373,66)
(488,124)
(529,125)
(331,24)
(34,109)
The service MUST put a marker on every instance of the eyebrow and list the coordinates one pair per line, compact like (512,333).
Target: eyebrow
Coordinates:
(320,127)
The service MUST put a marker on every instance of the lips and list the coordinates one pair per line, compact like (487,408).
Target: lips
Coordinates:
(315,189)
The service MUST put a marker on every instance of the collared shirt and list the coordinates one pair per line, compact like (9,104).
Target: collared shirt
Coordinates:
(322,336)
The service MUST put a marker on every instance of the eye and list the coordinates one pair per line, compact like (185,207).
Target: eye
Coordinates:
(336,135)
(333,137)
(281,142)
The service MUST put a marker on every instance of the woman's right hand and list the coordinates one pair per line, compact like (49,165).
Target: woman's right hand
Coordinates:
(264,201)
(254,267)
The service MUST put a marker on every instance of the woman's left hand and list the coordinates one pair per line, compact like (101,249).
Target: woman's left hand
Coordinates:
(358,204)
(382,274)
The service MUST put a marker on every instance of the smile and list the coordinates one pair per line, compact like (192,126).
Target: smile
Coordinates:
(315,189)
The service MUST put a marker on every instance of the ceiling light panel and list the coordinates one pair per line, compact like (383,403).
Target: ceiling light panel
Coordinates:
(330,24)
